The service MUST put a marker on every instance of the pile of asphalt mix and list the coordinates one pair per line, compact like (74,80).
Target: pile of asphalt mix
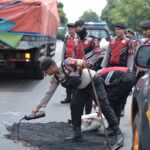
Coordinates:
(50,136)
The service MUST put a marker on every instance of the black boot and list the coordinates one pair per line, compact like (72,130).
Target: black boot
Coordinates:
(111,131)
(67,99)
(77,135)
(117,141)
(69,121)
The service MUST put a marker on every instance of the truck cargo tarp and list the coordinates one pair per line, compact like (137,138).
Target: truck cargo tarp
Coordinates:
(29,16)
(10,39)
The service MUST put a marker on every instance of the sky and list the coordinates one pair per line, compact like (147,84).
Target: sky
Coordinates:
(75,8)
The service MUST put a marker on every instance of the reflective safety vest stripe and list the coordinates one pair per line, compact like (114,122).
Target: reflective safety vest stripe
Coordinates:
(109,69)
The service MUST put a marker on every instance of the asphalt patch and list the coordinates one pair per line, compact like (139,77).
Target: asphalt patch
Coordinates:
(50,136)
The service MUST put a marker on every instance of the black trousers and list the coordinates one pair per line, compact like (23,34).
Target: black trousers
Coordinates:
(118,94)
(88,106)
(80,98)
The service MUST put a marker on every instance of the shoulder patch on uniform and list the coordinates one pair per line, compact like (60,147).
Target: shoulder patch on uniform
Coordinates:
(112,41)
(123,41)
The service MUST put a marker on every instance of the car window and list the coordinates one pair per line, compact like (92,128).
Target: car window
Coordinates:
(100,33)
(143,56)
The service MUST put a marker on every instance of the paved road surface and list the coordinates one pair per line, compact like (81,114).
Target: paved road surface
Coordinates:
(18,96)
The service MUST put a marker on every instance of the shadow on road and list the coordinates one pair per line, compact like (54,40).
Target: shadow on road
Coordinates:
(22,84)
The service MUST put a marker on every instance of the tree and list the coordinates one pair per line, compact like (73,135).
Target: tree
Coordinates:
(127,11)
(90,16)
(106,13)
(62,15)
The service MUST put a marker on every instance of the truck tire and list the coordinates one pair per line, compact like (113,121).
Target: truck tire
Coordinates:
(28,72)
(34,72)
(137,143)
(38,73)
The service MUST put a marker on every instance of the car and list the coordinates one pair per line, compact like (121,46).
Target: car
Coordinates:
(140,108)
(98,29)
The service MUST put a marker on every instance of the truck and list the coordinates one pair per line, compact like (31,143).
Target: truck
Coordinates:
(28,31)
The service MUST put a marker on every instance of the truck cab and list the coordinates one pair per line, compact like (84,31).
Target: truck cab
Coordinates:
(27,36)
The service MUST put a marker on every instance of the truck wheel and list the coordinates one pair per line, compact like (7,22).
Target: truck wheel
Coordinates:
(38,73)
(136,145)
(28,72)
(34,72)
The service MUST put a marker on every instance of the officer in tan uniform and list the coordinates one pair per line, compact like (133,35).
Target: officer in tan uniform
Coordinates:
(73,74)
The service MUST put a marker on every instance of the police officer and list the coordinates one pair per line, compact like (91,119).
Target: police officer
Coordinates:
(85,46)
(88,47)
(130,33)
(118,84)
(119,51)
(69,51)
(75,68)
(145,26)
(70,41)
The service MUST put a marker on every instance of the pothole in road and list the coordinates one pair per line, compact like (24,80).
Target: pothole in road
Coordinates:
(50,136)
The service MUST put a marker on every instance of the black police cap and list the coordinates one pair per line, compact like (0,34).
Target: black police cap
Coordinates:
(130,30)
(70,25)
(120,25)
(145,24)
(79,23)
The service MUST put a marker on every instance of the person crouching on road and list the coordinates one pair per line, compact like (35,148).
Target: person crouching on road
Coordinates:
(76,72)
(118,84)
